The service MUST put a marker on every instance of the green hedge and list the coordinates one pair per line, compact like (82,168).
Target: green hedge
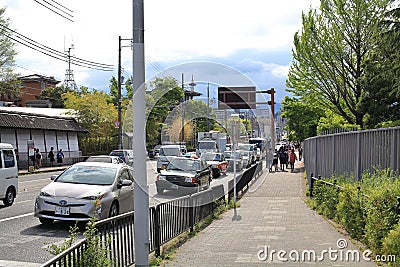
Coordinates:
(366,209)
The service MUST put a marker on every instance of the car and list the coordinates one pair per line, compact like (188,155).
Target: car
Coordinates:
(184,173)
(168,152)
(217,161)
(125,154)
(86,190)
(250,148)
(229,156)
(246,157)
(8,174)
(191,155)
(106,159)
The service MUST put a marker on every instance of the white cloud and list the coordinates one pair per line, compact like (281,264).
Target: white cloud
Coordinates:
(175,30)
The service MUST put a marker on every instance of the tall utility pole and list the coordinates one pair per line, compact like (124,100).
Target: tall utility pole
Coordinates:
(119,90)
(183,113)
(119,95)
(208,107)
(141,189)
(272,103)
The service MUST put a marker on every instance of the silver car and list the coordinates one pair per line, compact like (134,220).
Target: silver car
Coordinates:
(86,190)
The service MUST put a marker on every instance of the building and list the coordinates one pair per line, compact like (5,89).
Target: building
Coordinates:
(32,86)
(46,127)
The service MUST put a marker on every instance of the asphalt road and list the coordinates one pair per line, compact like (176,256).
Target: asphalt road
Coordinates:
(24,240)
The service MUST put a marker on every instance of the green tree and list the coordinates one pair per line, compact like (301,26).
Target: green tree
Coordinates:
(93,111)
(9,84)
(164,96)
(330,54)
(54,95)
(302,118)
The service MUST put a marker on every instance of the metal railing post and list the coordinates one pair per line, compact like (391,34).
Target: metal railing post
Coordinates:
(311,185)
(191,214)
(157,231)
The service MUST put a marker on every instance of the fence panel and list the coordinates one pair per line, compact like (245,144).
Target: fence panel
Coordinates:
(352,153)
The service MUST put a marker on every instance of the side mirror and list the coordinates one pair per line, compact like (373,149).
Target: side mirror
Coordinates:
(54,176)
(125,183)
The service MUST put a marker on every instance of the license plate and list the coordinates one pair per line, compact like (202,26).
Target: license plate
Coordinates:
(62,210)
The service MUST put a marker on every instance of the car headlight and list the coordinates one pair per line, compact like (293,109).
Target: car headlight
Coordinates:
(94,197)
(44,194)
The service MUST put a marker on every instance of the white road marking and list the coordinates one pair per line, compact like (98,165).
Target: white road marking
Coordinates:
(16,217)
(18,264)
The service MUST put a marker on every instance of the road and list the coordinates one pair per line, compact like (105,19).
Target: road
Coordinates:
(24,239)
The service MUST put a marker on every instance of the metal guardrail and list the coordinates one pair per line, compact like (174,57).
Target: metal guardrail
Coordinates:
(166,221)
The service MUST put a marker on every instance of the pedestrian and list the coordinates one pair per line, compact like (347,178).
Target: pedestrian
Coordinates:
(38,157)
(292,159)
(51,156)
(274,161)
(282,158)
(60,156)
(300,153)
(33,158)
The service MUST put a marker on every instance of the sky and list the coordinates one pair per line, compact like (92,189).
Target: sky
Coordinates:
(206,39)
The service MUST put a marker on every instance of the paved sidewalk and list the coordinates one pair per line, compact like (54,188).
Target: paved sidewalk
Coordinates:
(272,214)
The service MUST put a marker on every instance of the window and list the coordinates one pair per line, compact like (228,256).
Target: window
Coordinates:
(8,156)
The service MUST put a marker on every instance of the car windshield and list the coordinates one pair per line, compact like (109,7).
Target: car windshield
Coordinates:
(117,153)
(94,175)
(249,147)
(169,151)
(210,156)
(99,159)
(207,145)
(183,165)
(230,155)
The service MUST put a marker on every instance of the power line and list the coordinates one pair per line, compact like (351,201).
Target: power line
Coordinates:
(62,6)
(21,39)
(52,10)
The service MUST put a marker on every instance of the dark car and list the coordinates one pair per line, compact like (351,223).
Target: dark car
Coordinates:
(184,173)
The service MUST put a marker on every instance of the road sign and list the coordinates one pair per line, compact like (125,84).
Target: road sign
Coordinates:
(117,124)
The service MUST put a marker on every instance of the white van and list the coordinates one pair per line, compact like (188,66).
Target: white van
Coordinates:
(8,174)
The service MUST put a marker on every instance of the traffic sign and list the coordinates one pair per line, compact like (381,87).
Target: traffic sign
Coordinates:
(117,124)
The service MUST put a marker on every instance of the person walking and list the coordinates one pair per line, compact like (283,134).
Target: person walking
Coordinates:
(60,156)
(51,156)
(300,153)
(282,158)
(274,161)
(292,159)
(38,157)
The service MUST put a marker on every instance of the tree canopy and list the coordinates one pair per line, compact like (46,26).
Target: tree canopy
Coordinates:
(346,63)
(9,84)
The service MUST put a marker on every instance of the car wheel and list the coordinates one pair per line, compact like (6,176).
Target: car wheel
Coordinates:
(10,196)
(46,221)
(114,210)
(160,190)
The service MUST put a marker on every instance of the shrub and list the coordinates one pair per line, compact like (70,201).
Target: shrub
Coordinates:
(381,213)
(351,212)
(326,198)
(391,245)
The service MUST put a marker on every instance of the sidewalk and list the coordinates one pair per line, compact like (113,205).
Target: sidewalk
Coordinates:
(44,169)
(272,214)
